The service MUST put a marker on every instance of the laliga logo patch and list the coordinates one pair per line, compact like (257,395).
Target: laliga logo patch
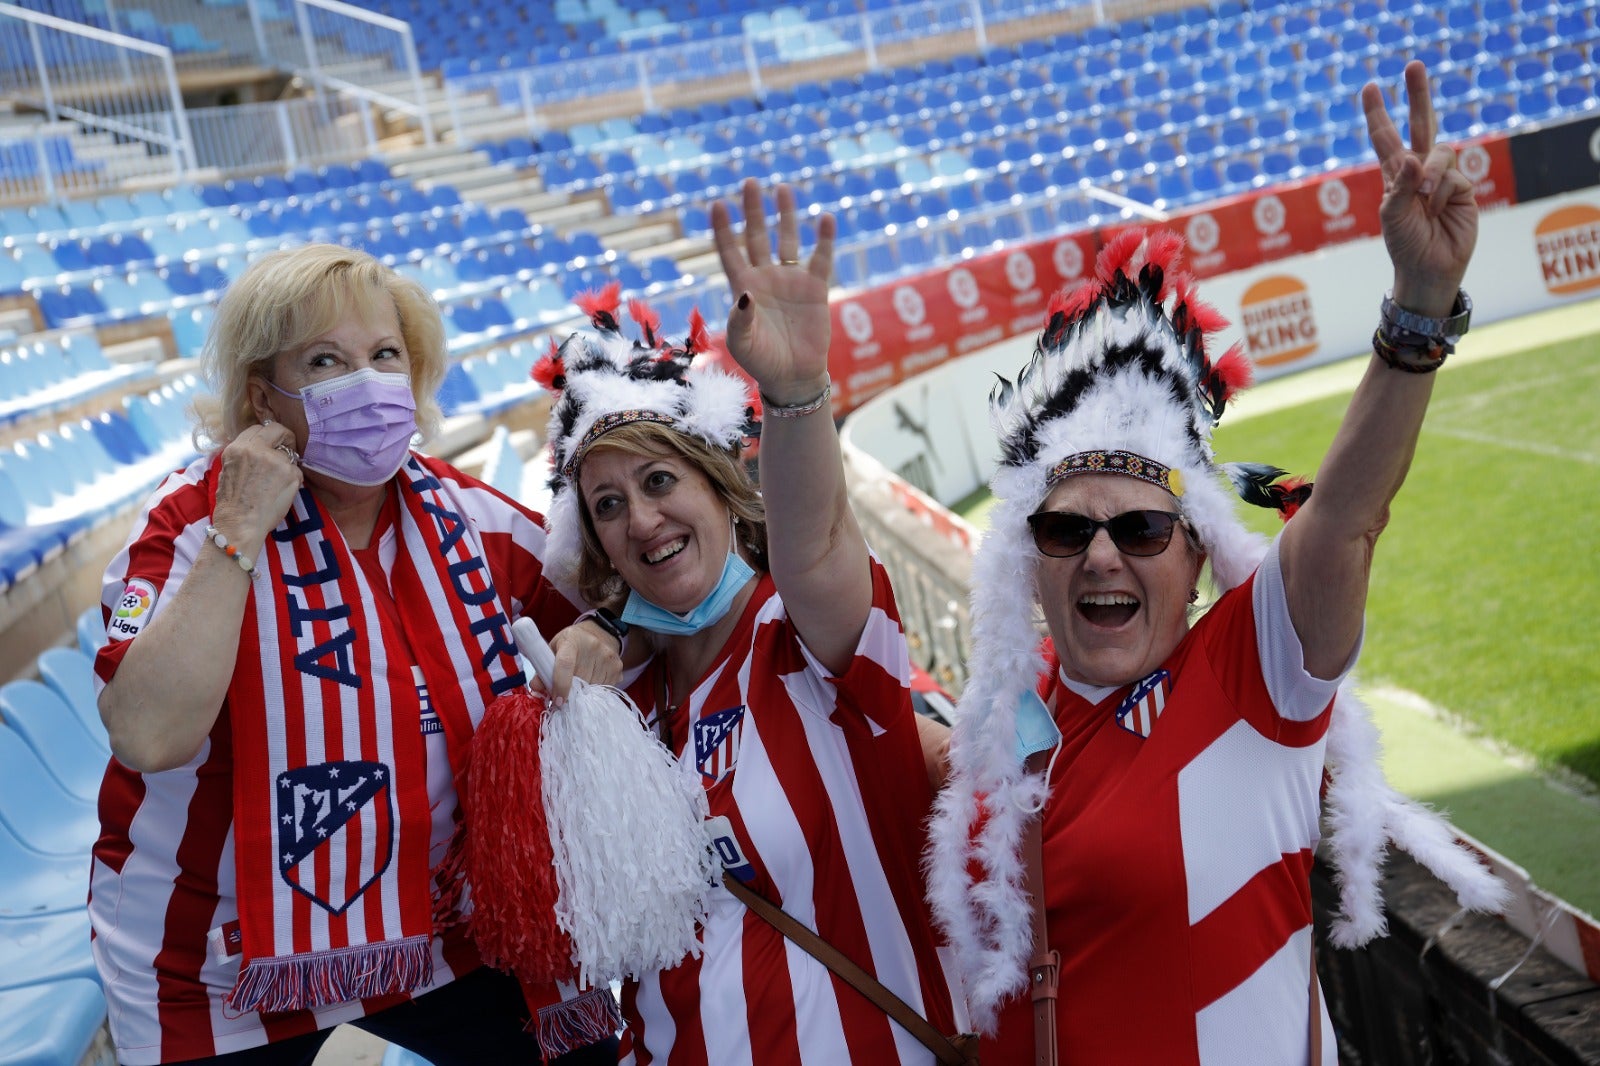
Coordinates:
(1068,259)
(857,322)
(909,305)
(964,288)
(1474,162)
(1204,234)
(133,609)
(1269,215)
(1020,271)
(1333,197)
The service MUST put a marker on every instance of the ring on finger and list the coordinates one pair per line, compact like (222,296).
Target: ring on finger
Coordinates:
(289,453)
(789,262)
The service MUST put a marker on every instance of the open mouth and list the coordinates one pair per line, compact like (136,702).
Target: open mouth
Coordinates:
(1108,609)
(666,551)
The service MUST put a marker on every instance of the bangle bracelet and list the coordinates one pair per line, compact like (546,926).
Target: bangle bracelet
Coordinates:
(214,535)
(1413,359)
(796,410)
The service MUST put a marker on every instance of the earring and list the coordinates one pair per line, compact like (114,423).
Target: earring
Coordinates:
(1194,595)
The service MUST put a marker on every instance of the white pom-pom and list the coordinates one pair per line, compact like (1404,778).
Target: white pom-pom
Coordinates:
(633,866)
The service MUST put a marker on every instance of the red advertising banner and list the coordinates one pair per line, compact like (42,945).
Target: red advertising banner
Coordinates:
(884,335)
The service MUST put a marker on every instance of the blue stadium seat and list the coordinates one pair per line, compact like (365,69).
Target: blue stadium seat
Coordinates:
(37,809)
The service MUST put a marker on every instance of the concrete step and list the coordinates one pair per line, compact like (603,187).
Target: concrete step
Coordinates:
(642,238)
(445,168)
(471,183)
(507,191)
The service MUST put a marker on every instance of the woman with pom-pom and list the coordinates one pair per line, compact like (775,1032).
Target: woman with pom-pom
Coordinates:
(1165,775)
(768,657)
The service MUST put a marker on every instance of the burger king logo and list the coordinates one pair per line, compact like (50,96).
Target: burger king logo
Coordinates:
(1568,242)
(856,321)
(1068,260)
(909,305)
(1278,320)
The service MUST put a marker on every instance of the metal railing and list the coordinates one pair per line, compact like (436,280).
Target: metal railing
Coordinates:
(122,93)
(352,52)
(202,36)
(763,54)
(277,135)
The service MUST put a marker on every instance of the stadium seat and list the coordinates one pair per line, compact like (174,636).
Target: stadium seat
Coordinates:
(38,810)
(51,1023)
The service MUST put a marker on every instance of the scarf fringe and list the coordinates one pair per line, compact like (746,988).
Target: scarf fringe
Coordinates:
(576,1023)
(305,982)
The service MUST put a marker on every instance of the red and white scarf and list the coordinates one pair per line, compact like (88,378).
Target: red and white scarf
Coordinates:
(331,807)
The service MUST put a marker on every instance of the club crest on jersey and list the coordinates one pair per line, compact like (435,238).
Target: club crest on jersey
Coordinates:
(335,830)
(1143,705)
(132,611)
(716,743)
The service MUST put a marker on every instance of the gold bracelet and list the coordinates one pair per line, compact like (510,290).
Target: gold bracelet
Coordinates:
(795,410)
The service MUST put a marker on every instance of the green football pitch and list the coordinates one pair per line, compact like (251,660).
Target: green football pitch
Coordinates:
(1482,649)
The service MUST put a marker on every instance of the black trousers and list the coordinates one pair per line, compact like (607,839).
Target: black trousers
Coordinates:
(473,1020)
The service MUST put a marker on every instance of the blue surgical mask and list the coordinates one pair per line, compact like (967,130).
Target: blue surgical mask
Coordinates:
(641,612)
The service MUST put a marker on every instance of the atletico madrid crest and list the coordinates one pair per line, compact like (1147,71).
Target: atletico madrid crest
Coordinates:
(716,743)
(335,830)
(1138,712)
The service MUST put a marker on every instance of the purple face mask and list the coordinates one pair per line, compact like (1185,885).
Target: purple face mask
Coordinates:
(361,425)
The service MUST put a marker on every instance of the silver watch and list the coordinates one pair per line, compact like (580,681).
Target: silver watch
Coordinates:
(1445,330)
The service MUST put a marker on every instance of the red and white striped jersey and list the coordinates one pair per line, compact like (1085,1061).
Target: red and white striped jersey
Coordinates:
(163,878)
(1178,839)
(818,797)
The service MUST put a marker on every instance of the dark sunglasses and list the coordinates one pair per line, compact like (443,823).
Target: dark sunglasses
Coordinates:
(1062,534)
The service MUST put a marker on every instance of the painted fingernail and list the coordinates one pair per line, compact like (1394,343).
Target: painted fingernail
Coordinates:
(744,301)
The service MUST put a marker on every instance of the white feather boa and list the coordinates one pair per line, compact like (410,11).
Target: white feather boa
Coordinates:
(987,919)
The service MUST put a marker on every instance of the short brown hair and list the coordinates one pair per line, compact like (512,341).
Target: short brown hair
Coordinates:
(597,578)
(285,299)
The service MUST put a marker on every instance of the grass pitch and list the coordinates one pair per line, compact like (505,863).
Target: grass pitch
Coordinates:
(1485,591)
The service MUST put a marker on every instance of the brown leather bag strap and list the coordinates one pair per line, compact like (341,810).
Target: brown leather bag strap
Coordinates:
(943,1048)
(1316,1011)
(1044,969)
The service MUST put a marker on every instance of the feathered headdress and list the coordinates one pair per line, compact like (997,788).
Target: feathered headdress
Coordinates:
(603,380)
(1121,381)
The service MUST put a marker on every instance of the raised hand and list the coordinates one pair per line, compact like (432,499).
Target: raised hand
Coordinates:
(1429,215)
(779,328)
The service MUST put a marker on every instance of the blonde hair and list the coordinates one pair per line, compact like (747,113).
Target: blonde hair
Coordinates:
(597,578)
(286,299)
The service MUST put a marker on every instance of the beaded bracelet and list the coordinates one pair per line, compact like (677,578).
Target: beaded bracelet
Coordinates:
(214,535)
(796,410)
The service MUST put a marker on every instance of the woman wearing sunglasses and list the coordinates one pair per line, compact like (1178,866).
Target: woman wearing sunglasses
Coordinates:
(1174,764)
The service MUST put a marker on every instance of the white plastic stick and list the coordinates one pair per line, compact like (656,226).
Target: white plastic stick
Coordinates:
(534,648)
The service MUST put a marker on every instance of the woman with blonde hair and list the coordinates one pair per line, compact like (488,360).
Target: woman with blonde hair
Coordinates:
(305,627)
